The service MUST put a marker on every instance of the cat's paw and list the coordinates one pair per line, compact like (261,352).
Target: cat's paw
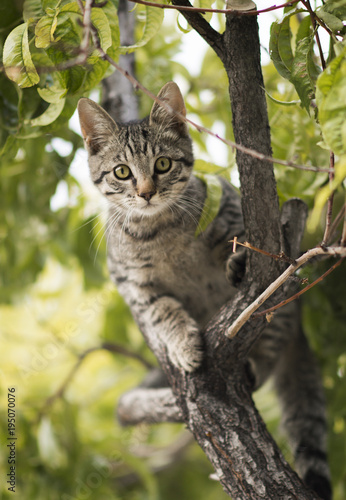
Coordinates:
(235,267)
(186,352)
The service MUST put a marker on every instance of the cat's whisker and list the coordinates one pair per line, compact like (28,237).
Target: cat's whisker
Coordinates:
(103,228)
(112,221)
(100,214)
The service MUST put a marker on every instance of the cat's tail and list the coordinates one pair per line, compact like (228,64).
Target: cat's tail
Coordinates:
(299,387)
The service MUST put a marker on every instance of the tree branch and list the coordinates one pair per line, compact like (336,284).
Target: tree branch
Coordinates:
(215,401)
(241,58)
(118,97)
(114,348)
(191,8)
(248,312)
(297,295)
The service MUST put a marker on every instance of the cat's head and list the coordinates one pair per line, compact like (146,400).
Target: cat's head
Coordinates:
(144,166)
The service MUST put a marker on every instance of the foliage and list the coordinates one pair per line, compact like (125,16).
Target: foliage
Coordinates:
(56,298)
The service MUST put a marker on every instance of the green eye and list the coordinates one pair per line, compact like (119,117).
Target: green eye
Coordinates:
(122,172)
(162,165)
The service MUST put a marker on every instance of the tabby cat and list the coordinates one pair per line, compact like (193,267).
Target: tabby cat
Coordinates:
(173,281)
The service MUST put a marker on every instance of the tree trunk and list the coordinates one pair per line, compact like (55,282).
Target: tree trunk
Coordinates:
(241,58)
(215,401)
(119,99)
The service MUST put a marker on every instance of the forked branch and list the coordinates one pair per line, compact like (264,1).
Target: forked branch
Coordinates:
(248,312)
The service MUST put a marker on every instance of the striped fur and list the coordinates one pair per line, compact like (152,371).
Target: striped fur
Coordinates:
(174,282)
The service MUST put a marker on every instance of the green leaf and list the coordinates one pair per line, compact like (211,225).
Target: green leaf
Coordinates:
(50,115)
(72,78)
(206,4)
(300,68)
(10,147)
(280,46)
(337,7)
(71,7)
(78,78)
(304,71)
(282,103)
(304,29)
(181,28)
(153,20)
(211,203)
(50,450)
(333,22)
(98,67)
(322,196)
(98,19)
(205,167)
(101,23)
(17,58)
(45,29)
(333,12)
(112,16)
(32,9)
(52,94)
(331,101)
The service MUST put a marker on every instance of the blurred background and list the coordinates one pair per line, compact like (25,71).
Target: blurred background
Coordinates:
(69,347)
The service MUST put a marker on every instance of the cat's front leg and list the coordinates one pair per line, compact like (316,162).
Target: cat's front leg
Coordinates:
(166,318)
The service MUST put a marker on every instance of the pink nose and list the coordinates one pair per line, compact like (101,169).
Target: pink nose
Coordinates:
(148,195)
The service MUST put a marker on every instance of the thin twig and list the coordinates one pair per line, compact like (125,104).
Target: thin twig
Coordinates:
(248,312)
(329,214)
(246,244)
(138,86)
(343,236)
(298,294)
(339,217)
(315,19)
(216,11)
(119,349)
(86,25)
(82,59)
(115,348)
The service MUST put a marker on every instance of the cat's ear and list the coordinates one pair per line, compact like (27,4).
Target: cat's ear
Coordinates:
(170,94)
(96,125)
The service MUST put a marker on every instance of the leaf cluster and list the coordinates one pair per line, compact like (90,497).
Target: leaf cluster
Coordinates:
(319,82)
(40,55)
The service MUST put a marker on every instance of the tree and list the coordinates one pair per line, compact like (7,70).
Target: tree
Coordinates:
(51,75)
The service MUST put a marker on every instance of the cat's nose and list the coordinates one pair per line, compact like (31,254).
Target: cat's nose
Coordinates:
(147,195)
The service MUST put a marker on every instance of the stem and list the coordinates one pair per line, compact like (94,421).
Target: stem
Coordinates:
(251,152)
(246,244)
(296,295)
(329,214)
(115,348)
(316,20)
(247,313)
(343,236)
(190,8)
(340,216)
(87,25)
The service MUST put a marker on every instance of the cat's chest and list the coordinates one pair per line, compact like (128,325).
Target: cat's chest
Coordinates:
(196,279)
(179,265)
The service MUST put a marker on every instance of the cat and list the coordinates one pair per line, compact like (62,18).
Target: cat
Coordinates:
(175,281)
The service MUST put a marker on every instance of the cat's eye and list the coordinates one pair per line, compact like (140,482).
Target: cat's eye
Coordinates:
(122,172)
(162,165)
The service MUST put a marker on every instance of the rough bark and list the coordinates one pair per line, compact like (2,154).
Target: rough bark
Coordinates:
(241,58)
(215,402)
